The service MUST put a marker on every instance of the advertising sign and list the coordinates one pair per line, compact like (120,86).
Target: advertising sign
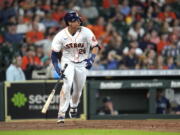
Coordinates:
(25,100)
(133,84)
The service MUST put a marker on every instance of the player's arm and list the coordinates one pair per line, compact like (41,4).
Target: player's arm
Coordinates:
(91,39)
(55,54)
(94,52)
(55,59)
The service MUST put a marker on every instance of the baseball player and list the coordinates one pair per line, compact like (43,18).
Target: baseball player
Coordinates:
(78,47)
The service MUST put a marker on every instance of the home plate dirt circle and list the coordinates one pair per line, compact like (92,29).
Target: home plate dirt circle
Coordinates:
(146,125)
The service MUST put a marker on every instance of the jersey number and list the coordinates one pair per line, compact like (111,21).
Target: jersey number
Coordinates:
(82,51)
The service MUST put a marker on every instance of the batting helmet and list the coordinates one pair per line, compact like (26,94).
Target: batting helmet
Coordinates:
(71,17)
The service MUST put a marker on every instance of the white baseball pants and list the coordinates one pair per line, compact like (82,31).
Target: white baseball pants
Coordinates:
(75,76)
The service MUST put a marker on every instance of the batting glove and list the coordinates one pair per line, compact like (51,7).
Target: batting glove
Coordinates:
(59,72)
(90,61)
(62,75)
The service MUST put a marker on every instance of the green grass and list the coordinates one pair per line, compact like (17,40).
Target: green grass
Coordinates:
(85,132)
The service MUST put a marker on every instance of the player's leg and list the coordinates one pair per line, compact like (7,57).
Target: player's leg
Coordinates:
(65,91)
(78,84)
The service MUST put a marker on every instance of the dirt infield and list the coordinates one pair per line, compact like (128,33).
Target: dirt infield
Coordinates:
(148,125)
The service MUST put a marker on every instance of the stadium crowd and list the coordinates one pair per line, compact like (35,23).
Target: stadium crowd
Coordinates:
(133,34)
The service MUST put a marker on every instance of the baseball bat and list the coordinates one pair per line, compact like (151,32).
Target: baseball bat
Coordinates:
(46,105)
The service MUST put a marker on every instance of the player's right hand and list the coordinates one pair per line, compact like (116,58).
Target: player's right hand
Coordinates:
(62,76)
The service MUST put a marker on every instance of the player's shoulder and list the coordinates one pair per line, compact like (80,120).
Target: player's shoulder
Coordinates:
(61,32)
(85,29)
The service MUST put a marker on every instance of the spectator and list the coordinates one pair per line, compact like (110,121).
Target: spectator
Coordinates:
(6,11)
(167,14)
(150,13)
(39,52)
(172,49)
(130,60)
(27,4)
(162,103)
(27,17)
(46,43)
(178,62)
(11,36)
(170,63)
(59,13)
(145,43)
(22,27)
(89,10)
(136,31)
(160,3)
(34,35)
(165,28)
(101,31)
(150,26)
(133,44)
(49,22)
(99,28)
(149,61)
(154,37)
(46,6)
(112,60)
(14,71)
(7,53)
(175,107)
(115,44)
(162,43)
(107,108)
(119,24)
(30,62)
(45,72)
(38,11)
(160,64)
(110,3)
(12,19)
(124,8)
(23,49)
(1,39)
(36,21)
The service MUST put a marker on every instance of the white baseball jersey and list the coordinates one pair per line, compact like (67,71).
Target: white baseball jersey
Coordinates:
(75,48)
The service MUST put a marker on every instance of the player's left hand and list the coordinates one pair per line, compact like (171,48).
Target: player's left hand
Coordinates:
(90,61)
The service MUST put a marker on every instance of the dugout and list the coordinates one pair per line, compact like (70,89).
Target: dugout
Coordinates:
(133,92)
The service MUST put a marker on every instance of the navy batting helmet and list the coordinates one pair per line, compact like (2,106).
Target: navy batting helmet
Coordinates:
(71,17)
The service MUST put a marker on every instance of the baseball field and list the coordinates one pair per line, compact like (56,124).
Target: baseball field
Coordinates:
(91,127)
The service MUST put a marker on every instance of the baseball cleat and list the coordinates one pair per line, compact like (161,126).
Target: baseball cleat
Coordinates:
(60,120)
(73,112)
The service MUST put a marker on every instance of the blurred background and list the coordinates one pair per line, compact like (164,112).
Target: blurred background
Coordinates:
(135,35)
